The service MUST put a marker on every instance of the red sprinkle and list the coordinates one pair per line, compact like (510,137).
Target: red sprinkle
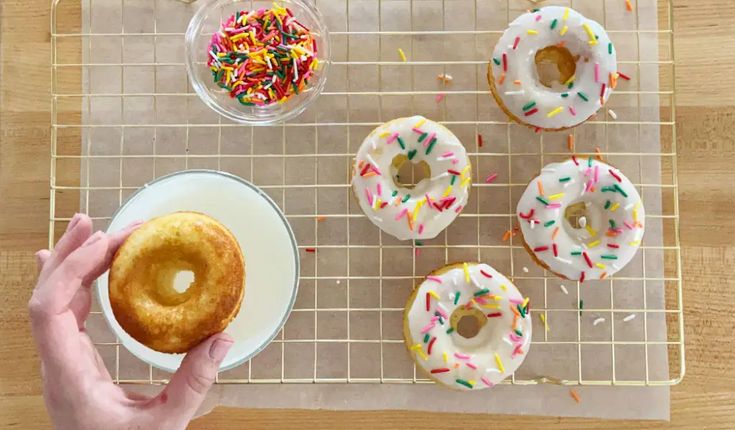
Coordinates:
(491,178)
(526,216)
(587,259)
(428,302)
(431,343)
(494,315)
(556,251)
(505,62)
(613,245)
(623,75)
(440,370)
(312,250)
(515,44)
(574,158)
(614,175)
(540,248)
(531,112)
(485,274)
(581,277)
(602,90)
(479,140)
(454,172)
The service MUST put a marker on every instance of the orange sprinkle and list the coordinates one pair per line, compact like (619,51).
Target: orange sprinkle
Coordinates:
(502,79)
(553,235)
(507,235)
(410,222)
(628,6)
(515,321)
(369,174)
(321,218)
(515,311)
(599,154)
(575,396)
(604,275)
(456,365)
(613,80)
(570,142)
(517,82)
(540,187)
(561,44)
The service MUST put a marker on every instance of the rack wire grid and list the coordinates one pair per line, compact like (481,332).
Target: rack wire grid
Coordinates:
(124,114)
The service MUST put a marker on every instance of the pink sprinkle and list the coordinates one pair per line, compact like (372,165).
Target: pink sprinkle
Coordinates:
(429,139)
(516,301)
(515,44)
(428,327)
(369,196)
(421,228)
(458,209)
(572,111)
(380,189)
(400,215)
(486,381)
(481,300)
(392,138)
(441,312)
(455,161)
(470,365)
(587,171)
(434,278)
(553,206)
(416,130)
(516,350)
(589,186)
(538,18)
(434,318)
(461,356)
(491,178)
(439,97)
(514,337)
(597,173)
(376,170)
(597,72)
(630,226)
(447,154)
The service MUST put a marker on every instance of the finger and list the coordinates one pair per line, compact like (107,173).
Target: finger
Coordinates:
(78,231)
(42,257)
(190,384)
(81,304)
(115,240)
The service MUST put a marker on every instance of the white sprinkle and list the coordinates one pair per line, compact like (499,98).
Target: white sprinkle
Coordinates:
(629,318)
(629,206)
(564,289)
(515,93)
(338,282)
(446,77)
(564,260)
(612,114)
(598,321)
(583,222)
(525,269)
(508,341)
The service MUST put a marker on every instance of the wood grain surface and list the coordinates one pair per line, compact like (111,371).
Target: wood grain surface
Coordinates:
(705,116)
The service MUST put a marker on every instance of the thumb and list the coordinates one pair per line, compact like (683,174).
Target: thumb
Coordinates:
(190,384)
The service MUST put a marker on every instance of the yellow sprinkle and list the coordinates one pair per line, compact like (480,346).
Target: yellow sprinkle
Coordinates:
(423,355)
(445,357)
(465,170)
(543,320)
(420,123)
(635,243)
(591,230)
(376,203)
(500,363)
(566,14)
(614,207)
(532,32)
(466,269)
(433,294)
(570,80)
(564,30)
(590,33)
(593,244)
(491,306)
(465,182)
(503,287)
(415,346)
(600,266)
(417,208)
(403,56)
(447,191)
(635,212)
(384,134)
(472,382)
(556,196)
(525,302)
(555,112)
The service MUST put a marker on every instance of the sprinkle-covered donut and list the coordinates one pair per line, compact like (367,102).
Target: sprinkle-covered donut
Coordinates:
(411,212)
(585,58)
(467,326)
(581,219)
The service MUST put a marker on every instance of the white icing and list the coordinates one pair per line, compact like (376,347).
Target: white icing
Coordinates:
(497,336)
(591,182)
(520,66)
(373,183)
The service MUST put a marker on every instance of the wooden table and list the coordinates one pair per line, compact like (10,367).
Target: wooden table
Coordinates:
(705,117)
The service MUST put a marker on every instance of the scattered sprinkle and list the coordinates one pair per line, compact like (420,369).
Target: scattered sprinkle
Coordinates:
(445,78)
(321,218)
(570,143)
(525,269)
(612,113)
(574,395)
(630,317)
(598,321)
(439,97)
(402,54)
(491,177)
(542,317)
(310,250)
(564,289)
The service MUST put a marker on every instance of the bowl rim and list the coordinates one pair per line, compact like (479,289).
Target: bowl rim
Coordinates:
(200,88)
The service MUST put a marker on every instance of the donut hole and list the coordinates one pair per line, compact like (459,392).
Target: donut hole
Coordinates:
(467,322)
(576,215)
(555,65)
(183,280)
(407,173)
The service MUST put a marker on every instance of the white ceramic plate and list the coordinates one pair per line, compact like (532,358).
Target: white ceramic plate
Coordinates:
(265,237)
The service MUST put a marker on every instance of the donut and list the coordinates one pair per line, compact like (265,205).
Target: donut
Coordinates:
(467,326)
(141,282)
(606,214)
(404,211)
(584,57)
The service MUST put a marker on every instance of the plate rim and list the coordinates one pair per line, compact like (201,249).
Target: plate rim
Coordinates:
(294,246)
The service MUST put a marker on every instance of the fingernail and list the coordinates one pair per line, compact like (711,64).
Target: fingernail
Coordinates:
(219,349)
(92,239)
(74,221)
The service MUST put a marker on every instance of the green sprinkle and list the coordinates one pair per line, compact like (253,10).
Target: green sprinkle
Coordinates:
(607,205)
(394,193)
(465,383)
(565,95)
(581,306)
(583,96)
(454,178)
(605,189)
(418,243)
(423,136)
(521,310)
(450,330)
(295,88)
(553,23)
(427,337)
(612,223)
(570,86)
(529,105)
(535,10)
(609,257)
(518,332)
(565,179)
(609,48)
(431,146)
(575,253)
(620,190)
(405,198)
(549,223)
(589,162)
(456,298)
(411,154)
(542,200)
(496,61)
(481,292)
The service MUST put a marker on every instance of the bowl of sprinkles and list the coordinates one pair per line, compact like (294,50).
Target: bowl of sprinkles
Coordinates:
(257,62)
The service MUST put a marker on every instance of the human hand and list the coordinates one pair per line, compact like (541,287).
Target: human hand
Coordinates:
(78,390)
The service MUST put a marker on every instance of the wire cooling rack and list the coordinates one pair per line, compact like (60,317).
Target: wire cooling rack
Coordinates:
(124,113)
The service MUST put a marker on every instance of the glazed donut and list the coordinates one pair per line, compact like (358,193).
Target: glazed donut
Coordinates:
(610,218)
(457,354)
(141,283)
(421,211)
(585,58)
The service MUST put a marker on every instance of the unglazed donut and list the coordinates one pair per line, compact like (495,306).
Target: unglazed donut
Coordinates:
(423,211)
(604,198)
(585,57)
(436,311)
(141,284)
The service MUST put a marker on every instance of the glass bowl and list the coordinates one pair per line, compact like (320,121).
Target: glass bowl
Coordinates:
(207,20)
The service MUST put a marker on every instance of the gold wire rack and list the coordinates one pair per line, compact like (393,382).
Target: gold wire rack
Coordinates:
(124,114)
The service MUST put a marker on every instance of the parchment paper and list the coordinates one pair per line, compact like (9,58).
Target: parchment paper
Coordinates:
(164,132)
